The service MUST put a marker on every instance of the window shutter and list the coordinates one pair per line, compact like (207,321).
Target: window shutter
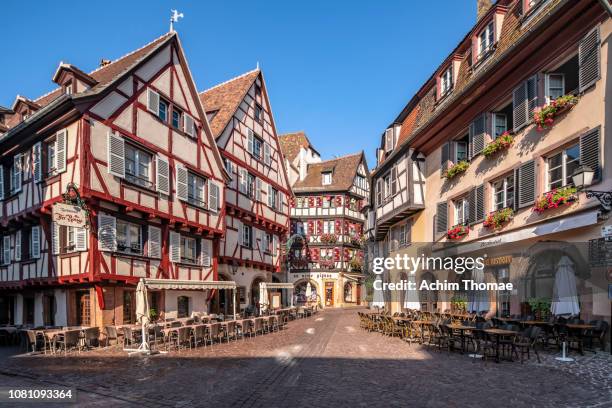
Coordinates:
(175,247)
(590,152)
(189,125)
(389,140)
(442,218)
(477,130)
(18,245)
(1,182)
(6,250)
(274,245)
(532,96)
(527,184)
(181,182)
(18,174)
(444,157)
(270,196)
(55,238)
(243,180)
(589,59)
(35,242)
(250,141)
(258,188)
(152,101)
(519,107)
(107,233)
(154,241)
(206,252)
(394,186)
(37,162)
(213,196)
(80,238)
(476,203)
(163,176)
(267,154)
(116,155)
(379,192)
(60,151)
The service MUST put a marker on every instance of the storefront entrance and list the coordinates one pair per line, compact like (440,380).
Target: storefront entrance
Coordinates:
(329,294)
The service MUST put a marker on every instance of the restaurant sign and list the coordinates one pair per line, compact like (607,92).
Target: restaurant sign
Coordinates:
(500,260)
(69,215)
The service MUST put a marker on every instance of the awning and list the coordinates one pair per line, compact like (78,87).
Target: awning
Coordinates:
(188,284)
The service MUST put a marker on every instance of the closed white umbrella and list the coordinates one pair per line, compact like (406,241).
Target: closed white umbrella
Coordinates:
(378,300)
(411,298)
(142,316)
(308,292)
(565,294)
(263,296)
(478,299)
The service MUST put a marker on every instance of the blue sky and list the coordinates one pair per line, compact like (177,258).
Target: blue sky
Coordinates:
(340,70)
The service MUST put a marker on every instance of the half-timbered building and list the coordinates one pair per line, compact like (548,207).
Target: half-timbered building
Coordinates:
(257,198)
(131,138)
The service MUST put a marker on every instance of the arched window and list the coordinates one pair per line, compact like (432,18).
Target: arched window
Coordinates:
(348,292)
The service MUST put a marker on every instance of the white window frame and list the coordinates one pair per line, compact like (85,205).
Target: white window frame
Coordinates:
(247,236)
(494,118)
(563,165)
(326,178)
(505,185)
(547,92)
(138,155)
(194,188)
(184,239)
(130,240)
(446,81)
(489,36)
(456,151)
(461,205)
(329,227)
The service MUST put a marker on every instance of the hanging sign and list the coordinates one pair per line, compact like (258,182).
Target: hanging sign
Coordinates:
(69,215)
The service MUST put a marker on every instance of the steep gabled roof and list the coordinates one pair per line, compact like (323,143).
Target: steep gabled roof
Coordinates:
(343,171)
(224,99)
(291,143)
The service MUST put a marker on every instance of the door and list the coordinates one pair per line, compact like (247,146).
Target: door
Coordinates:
(82,308)
(329,293)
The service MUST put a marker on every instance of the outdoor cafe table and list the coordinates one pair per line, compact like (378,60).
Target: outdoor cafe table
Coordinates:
(422,323)
(461,328)
(498,333)
(579,329)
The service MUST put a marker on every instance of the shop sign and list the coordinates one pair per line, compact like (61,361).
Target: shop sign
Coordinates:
(500,260)
(69,215)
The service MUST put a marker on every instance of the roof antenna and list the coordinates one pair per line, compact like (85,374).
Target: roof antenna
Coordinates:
(174,18)
(257,67)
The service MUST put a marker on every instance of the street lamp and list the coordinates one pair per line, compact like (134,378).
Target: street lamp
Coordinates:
(583,177)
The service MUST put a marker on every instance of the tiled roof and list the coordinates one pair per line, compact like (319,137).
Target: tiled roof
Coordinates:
(291,143)
(344,171)
(225,98)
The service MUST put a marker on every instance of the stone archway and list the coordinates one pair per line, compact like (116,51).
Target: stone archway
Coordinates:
(300,292)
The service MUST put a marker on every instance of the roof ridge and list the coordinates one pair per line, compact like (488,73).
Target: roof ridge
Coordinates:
(230,80)
(293,133)
(346,156)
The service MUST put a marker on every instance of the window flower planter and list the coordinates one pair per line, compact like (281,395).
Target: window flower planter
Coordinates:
(503,142)
(329,238)
(499,218)
(458,232)
(456,169)
(355,265)
(544,117)
(556,198)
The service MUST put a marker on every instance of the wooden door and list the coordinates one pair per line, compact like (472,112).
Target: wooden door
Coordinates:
(329,293)
(83,308)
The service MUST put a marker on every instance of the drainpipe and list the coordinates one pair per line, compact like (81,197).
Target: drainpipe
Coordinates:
(607,6)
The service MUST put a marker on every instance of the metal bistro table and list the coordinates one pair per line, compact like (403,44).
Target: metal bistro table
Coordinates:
(461,328)
(498,333)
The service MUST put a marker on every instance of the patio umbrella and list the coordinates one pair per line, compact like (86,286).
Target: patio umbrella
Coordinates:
(411,298)
(478,300)
(308,292)
(142,316)
(565,294)
(263,296)
(378,299)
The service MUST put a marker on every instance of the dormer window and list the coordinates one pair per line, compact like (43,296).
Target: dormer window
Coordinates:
(389,140)
(68,88)
(446,82)
(327,178)
(485,41)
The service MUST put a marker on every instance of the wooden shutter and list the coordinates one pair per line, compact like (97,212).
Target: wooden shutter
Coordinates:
(116,155)
(267,154)
(394,180)
(60,151)
(107,233)
(213,196)
(175,247)
(258,188)
(55,237)
(589,59)
(189,125)
(444,158)
(476,204)
(477,131)
(205,252)
(152,101)
(181,182)
(240,234)
(442,218)
(6,250)
(274,245)
(154,242)
(37,162)
(242,182)
(590,152)
(519,107)
(80,239)
(526,184)
(18,245)
(162,180)
(250,140)
(379,192)
(532,96)
(35,242)
(17,172)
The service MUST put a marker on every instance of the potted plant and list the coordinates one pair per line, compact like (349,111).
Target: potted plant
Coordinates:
(458,232)
(503,142)
(458,303)
(329,238)
(497,219)
(544,117)
(153,315)
(556,198)
(355,265)
(456,169)
(540,307)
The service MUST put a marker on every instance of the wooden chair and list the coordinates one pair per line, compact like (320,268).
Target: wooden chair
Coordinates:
(110,334)
(67,340)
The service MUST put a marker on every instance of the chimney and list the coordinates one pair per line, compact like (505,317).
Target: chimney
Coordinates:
(483,6)
(104,62)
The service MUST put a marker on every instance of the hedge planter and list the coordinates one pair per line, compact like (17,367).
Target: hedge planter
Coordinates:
(456,170)
(499,218)
(544,117)
(458,232)
(503,142)
(556,198)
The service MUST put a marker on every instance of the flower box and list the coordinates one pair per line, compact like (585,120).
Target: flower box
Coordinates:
(544,117)
(458,232)
(355,265)
(499,218)
(556,198)
(503,142)
(456,169)
(329,238)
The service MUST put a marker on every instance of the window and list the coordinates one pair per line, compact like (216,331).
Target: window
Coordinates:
(500,124)
(299,228)
(461,151)
(561,166)
(129,307)
(189,253)
(328,202)
(247,236)
(176,118)
(68,88)
(328,227)
(138,166)
(360,181)
(503,193)
(51,158)
(257,91)
(15,174)
(250,185)
(257,147)
(273,198)
(258,113)
(182,306)
(555,86)
(162,112)
(129,237)
(446,81)
(327,178)
(268,243)
(196,190)
(326,254)
(485,40)
(389,140)
(462,210)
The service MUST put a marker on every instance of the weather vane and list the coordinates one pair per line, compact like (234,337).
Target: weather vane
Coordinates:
(174,19)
